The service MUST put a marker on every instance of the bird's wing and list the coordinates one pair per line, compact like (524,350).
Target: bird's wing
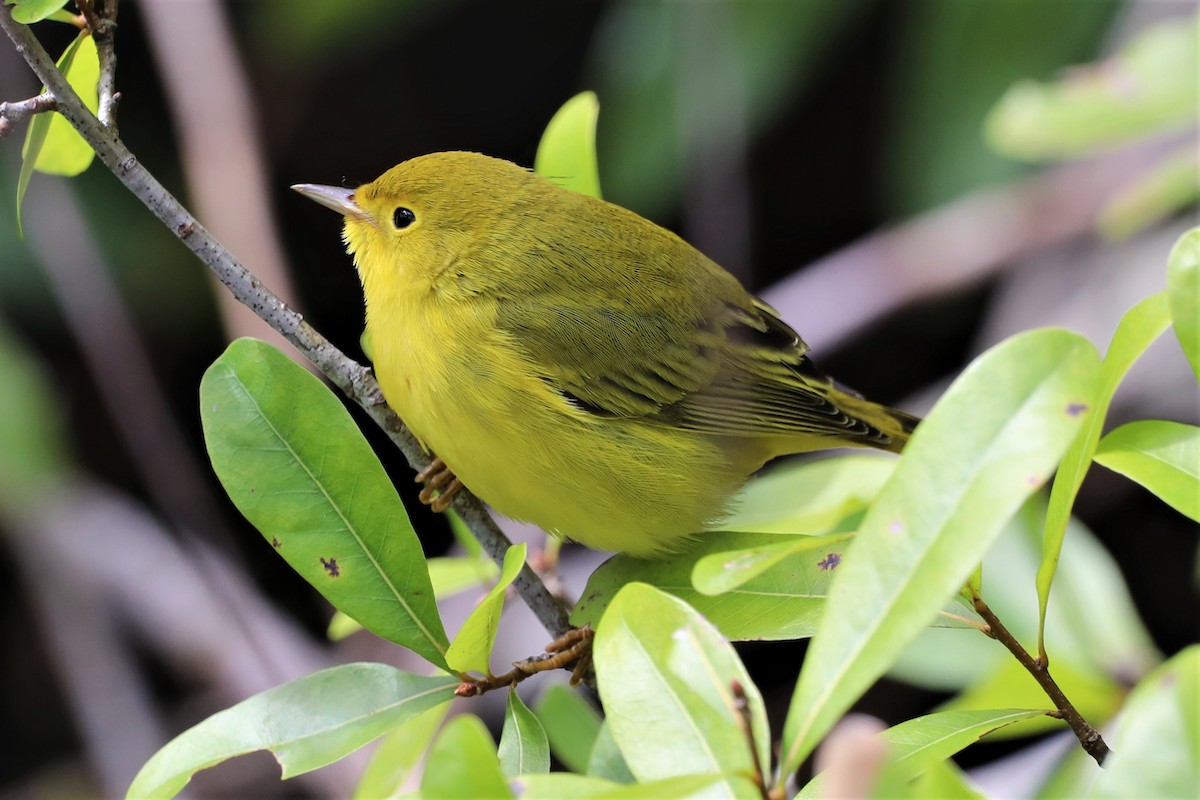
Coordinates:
(730,368)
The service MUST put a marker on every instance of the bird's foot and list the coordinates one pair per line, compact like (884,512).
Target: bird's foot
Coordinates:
(441,484)
(572,649)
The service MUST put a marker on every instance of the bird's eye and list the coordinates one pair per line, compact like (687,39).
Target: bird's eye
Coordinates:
(403,217)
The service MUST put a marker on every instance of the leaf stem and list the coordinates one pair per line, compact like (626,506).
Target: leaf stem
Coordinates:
(355,380)
(1089,738)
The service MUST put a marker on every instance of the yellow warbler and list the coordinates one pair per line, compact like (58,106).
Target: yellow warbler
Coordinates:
(574,364)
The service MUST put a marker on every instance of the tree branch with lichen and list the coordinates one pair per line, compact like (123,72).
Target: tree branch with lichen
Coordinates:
(352,378)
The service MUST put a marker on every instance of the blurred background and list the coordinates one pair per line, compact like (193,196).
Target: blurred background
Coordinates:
(831,153)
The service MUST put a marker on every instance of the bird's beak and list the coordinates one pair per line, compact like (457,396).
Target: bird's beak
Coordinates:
(339,199)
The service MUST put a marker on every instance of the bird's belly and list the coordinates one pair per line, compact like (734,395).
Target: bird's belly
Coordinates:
(612,484)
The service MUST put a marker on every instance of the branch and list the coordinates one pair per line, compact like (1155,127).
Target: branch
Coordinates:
(102,24)
(352,378)
(1089,738)
(20,109)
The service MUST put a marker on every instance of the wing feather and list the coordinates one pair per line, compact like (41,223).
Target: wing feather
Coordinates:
(678,344)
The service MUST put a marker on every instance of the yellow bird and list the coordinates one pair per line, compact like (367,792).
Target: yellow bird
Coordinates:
(574,364)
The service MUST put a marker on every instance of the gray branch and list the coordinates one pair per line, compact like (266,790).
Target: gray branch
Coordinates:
(20,109)
(355,380)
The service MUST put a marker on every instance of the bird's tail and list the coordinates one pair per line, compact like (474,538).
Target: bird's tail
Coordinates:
(885,428)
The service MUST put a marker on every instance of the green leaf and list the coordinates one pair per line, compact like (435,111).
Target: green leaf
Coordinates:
(1136,331)
(306,723)
(606,761)
(571,725)
(64,152)
(567,152)
(524,748)
(1092,624)
(1144,89)
(945,781)
(462,764)
(1170,186)
(568,786)
(451,575)
(296,465)
(811,497)
(784,602)
(1183,287)
(919,744)
(399,754)
(990,442)
(1156,751)
(718,573)
(561,786)
(1162,456)
(340,626)
(28,12)
(38,130)
(448,575)
(665,674)
(472,646)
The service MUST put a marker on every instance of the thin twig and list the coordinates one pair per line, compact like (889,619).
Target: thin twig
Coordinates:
(352,378)
(20,109)
(1089,738)
(741,710)
(102,23)
(572,649)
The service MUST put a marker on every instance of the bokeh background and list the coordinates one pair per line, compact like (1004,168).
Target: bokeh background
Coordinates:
(831,153)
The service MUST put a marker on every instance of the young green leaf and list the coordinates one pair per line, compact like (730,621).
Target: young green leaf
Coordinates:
(1162,456)
(472,646)
(571,725)
(64,151)
(399,753)
(918,744)
(1156,751)
(1183,286)
(306,723)
(462,764)
(39,129)
(296,465)
(666,679)
(567,152)
(1136,331)
(524,748)
(28,12)
(990,442)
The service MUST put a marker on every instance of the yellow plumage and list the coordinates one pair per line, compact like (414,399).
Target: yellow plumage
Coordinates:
(574,364)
